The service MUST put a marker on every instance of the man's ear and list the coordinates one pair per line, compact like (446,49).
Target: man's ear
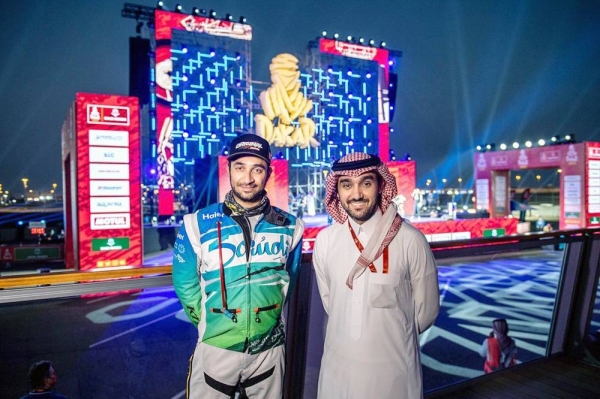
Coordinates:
(269,172)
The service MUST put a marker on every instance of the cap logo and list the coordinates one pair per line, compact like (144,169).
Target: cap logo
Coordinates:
(249,145)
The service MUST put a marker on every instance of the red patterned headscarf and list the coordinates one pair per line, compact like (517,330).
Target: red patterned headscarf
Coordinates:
(354,165)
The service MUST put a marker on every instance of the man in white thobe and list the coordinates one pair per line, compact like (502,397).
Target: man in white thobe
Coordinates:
(378,282)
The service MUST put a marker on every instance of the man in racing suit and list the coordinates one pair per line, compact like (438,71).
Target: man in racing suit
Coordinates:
(233,265)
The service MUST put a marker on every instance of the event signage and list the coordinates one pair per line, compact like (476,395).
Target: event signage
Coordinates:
(579,168)
(106,185)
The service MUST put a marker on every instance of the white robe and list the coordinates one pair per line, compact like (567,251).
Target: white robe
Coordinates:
(371,344)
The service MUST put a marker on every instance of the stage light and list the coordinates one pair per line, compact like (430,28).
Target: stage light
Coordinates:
(503,146)
(349,38)
(213,136)
(225,150)
(528,144)
(336,35)
(407,157)
(196,11)
(350,143)
(229,17)
(361,40)
(350,95)
(382,44)
(490,147)
(515,145)
(368,75)
(179,8)
(160,5)
(243,20)
(371,42)
(212,13)
(541,142)
(570,138)
(479,148)
(555,139)
(324,33)
(330,69)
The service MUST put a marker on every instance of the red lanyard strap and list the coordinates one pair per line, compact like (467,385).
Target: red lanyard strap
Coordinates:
(386,257)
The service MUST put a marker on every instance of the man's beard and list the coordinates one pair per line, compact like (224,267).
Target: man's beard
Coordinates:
(251,198)
(363,215)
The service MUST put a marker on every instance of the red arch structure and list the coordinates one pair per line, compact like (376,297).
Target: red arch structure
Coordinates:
(579,180)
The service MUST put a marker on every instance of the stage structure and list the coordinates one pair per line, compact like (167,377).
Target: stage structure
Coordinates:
(353,90)
(101,180)
(201,97)
(579,168)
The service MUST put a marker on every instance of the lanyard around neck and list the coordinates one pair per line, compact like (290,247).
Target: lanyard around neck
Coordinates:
(386,257)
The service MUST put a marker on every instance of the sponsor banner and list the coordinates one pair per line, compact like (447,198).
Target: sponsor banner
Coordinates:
(111,138)
(494,233)
(105,221)
(593,152)
(109,187)
(109,155)
(164,21)
(441,237)
(351,50)
(7,254)
(461,235)
(37,253)
(109,204)
(594,220)
(107,115)
(108,171)
(110,244)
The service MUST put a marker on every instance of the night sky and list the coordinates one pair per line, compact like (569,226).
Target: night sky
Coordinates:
(473,71)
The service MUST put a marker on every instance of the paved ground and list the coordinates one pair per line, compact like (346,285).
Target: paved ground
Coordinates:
(136,344)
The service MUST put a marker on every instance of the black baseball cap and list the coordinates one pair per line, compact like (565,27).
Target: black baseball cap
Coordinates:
(249,145)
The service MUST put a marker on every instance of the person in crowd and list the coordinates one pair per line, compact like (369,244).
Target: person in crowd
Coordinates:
(42,379)
(499,350)
(377,279)
(234,264)
(525,195)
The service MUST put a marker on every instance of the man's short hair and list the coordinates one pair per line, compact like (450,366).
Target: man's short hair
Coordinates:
(38,372)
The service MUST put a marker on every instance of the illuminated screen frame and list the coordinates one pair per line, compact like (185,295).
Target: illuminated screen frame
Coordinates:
(161,116)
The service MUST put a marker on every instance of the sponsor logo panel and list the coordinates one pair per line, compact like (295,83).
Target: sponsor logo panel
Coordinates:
(109,187)
(108,171)
(109,154)
(109,204)
(107,221)
(107,115)
(111,138)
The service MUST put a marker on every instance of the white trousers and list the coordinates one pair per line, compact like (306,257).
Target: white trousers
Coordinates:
(216,373)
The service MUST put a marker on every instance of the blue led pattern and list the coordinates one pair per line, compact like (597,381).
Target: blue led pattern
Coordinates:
(344,94)
(211,96)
